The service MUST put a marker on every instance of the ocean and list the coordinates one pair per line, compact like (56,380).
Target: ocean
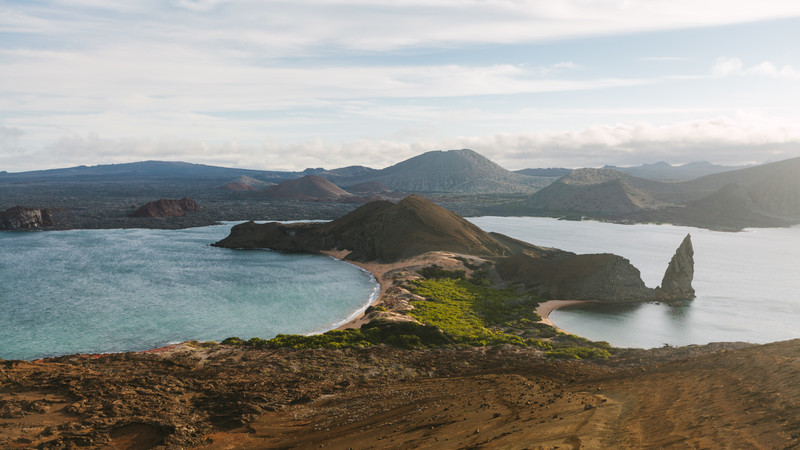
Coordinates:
(747,283)
(97,291)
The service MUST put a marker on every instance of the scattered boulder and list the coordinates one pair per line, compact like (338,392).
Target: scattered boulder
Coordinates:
(677,282)
(167,208)
(22,218)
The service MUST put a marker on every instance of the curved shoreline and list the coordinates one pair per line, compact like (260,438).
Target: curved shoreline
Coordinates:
(545,308)
(377,290)
(377,271)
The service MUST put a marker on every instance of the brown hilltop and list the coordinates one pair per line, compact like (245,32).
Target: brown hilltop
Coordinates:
(377,231)
(595,191)
(167,208)
(309,187)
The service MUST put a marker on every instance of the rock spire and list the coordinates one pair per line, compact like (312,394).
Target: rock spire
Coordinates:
(677,282)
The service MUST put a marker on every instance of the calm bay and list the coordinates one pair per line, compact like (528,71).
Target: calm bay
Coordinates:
(96,291)
(747,283)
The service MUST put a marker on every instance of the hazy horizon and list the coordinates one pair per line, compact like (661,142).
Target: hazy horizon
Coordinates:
(288,86)
(338,167)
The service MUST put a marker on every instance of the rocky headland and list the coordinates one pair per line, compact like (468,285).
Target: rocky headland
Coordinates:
(22,218)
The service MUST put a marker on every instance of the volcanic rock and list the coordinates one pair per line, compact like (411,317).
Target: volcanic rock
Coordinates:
(677,282)
(22,218)
(167,208)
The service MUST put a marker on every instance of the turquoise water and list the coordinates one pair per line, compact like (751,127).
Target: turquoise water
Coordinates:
(747,284)
(94,291)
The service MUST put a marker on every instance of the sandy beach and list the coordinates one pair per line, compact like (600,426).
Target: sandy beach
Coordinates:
(549,306)
(384,273)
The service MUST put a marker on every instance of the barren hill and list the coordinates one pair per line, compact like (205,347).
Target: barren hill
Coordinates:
(380,231)
(594,191)
(167,208)
(309,187)
(458,171)
(244,183)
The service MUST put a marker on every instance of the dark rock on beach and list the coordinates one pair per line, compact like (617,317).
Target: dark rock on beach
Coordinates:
(22,218)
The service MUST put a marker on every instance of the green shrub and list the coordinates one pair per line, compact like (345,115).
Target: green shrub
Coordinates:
(578,353)
(471,314)
(435,272)
(234,341)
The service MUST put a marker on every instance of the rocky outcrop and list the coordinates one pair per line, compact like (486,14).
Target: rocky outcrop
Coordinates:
(567,276)
(556,274)
(22,218)
(167,208)
(677,282)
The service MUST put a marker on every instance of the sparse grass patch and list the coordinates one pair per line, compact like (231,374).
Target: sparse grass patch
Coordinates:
(474,314)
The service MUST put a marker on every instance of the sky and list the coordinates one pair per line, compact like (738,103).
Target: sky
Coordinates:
(286,85)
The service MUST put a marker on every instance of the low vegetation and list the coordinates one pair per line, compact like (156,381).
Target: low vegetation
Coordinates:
(457,310)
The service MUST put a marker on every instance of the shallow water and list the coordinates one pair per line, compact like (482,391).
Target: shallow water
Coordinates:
(747,283)
(94,291)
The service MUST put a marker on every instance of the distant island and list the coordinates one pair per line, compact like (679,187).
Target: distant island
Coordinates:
(700,194)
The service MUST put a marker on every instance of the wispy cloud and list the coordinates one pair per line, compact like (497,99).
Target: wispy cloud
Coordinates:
(735,67)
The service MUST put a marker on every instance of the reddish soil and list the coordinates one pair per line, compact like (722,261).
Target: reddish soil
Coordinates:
(220,397)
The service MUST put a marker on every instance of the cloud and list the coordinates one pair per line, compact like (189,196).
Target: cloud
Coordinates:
(739,139)
(724,67)
(728,140)
(305,27)
(10,133)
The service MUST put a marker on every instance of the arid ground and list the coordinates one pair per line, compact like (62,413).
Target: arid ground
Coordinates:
(716,396)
